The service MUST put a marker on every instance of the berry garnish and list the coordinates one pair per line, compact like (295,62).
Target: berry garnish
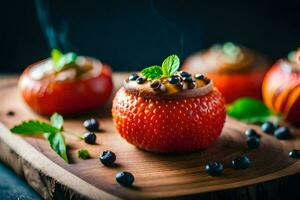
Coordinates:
(242,162)
(133,77)
(89,137)
(295,153)
(141,80)
(185,74)
(188,79)
(282,133)
(124,178)
(191,85)
(91,124)
(155,85)
(174,80)
(199,76)
(107,158)
(214,168)
(10,113)
(268,127)
(251,133)
(253,142)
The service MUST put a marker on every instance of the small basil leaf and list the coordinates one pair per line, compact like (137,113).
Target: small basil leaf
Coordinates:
(56,55)
(83,154)
(57,143)
(249,110)
(170,65)
(32,127)
(57,120)
(152,72)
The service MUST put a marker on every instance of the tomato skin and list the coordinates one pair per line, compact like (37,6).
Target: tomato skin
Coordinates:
(236,85)
(66,97)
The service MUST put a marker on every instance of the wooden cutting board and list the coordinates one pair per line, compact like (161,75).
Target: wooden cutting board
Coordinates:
(156,175)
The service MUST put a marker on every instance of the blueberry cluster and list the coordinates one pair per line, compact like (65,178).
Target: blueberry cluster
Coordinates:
(178,79)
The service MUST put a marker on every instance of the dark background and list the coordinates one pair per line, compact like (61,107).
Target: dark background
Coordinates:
(132,34)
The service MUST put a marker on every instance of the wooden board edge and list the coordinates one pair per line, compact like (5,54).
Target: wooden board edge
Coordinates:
(38,170)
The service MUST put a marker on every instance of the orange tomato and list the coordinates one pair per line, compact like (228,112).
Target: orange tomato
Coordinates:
(281,89)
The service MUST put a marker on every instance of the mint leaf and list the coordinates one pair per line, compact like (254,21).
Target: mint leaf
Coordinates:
(61,60)
(83,154)
(56,55)
(32,127)
(57,121)
(57,143)
(170,65)
(152,72)
(249,110)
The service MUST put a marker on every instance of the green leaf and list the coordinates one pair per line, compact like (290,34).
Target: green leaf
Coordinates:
(32,127)
(152,72)
(57,121)
(249,110)
(56,55)
(83,154)
(170,65)
(57,143)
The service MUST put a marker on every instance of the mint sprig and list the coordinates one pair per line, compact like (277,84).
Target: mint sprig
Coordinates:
(169,66)
(61,60)
(52,132)
(250,110)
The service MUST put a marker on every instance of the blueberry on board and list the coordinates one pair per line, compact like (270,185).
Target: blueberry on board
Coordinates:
(89,137)
(251,133)
(107,158)
(133,77)
(214,168)
(282,133)
(242,162)
(174,80)
(268,127)
(253,142)
(140,80)
(91,124)
(124,178)
(295,153)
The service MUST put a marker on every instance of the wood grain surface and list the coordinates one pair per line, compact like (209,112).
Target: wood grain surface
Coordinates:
(156,175)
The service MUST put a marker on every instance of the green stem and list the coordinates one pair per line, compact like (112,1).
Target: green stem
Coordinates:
(74,134)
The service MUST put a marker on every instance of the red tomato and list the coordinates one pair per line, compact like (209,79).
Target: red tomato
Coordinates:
(48,95)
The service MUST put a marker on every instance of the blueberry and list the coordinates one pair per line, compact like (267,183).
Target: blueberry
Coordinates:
(251,133)
(124,178)
(107,158)
(174,80)
(188,79)
(140,80)
(133,77)
(253,142)
(214,168)
(268,127)
(282,133)
(294,154)
(89,137)
(199,76)
(242,162)
(191,85)
(185,74)
(155,85)
(10,113)
(91,124)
